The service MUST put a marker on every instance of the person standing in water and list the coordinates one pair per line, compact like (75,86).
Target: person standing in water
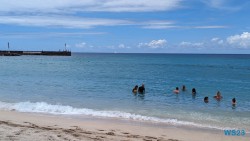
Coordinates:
(218,96)
(176,91)
(135,89)
(194,91)
(233,101)
(206,99)
(141,89)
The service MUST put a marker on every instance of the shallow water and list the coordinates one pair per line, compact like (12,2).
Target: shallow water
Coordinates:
(101,85)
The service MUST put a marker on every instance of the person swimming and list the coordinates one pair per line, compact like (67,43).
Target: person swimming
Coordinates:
(183,88)
(176,91)
(141,89)
(193,91)
(206,99)
(218,96)
(233,101)
(135,89)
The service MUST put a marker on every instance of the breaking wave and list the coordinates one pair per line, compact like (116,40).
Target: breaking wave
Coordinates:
(43,107)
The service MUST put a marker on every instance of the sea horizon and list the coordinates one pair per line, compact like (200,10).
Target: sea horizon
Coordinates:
(162,53)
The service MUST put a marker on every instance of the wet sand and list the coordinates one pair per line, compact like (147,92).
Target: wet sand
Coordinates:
(36,127)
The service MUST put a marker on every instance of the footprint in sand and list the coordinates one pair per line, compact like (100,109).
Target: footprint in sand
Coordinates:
(110,133)
(133,136)
(37,132)
(86,132)
(149,137)
(147,140)
(77,127)
(75,135)
(100,137)
(172,140)
(161,139)
(100,130)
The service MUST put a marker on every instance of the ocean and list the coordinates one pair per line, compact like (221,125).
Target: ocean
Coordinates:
(100,85)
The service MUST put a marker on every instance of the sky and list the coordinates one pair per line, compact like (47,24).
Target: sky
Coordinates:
(126,26)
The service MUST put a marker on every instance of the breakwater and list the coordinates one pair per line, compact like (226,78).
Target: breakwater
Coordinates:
(47,53)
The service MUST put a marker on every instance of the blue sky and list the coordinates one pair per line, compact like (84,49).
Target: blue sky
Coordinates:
(127,26)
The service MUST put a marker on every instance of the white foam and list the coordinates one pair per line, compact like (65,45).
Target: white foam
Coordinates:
(43,107)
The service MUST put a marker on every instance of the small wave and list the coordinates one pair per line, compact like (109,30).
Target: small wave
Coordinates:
(43,107)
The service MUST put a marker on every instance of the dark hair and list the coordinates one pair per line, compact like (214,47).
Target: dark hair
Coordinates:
(233,100)
(177,88)
(193,91)
(206,98)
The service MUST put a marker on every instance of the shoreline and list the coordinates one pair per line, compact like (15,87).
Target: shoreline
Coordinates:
(34,126)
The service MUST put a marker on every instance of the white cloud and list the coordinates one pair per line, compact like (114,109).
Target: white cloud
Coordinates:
(190,44)
(217,41)
(225,4)
(81,45)
(47,34)
(214,3)
(58,6)
(122,46)
(240,41)
(65,13)
(159,24)
(78,22)
(154,44)
(235,41)
(46,20)
(210,27)
(61,21)
(172,25)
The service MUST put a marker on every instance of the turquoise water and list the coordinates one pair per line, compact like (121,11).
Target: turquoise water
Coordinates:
(101,85)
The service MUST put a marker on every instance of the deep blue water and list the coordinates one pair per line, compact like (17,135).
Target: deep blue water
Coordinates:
(101,85)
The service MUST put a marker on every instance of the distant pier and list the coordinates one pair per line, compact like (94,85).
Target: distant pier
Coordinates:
(47,53)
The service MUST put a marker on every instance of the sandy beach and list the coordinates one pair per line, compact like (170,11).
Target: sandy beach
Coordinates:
(30,127)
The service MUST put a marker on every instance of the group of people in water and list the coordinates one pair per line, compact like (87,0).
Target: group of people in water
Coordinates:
(140,90)
(218,97)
